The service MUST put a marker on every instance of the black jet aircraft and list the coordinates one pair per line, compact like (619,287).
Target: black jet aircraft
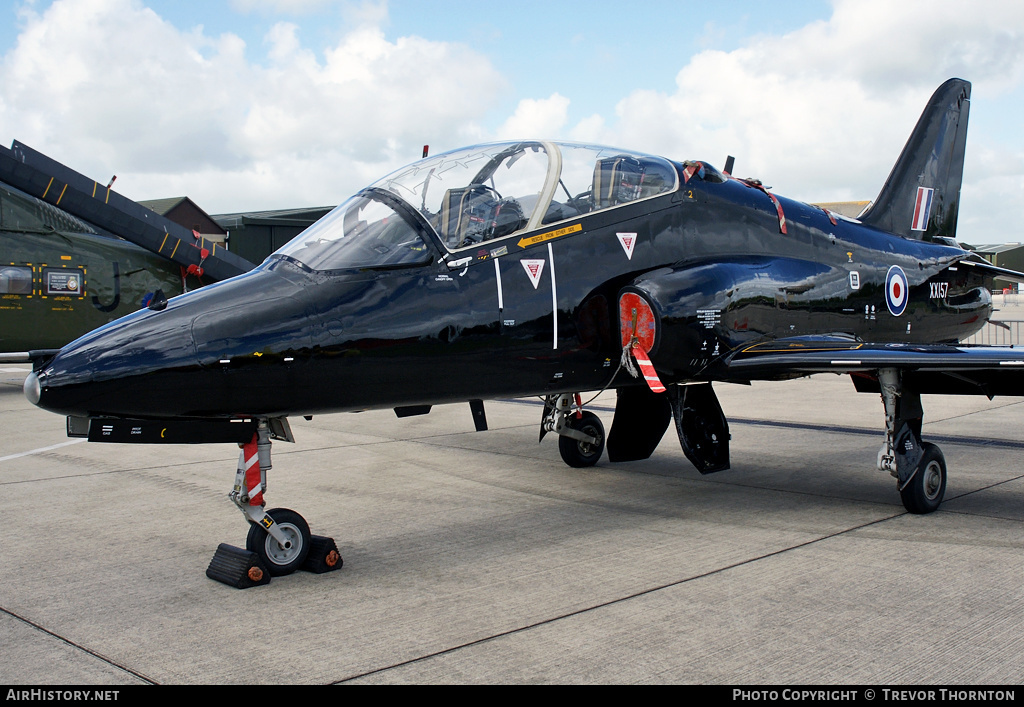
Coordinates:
(544,268)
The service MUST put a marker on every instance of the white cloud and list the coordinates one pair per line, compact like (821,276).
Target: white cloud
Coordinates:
(535,118)
(107,86)
(113,80)
(288,7)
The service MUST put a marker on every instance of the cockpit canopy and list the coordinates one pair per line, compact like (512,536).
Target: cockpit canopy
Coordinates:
(477,194)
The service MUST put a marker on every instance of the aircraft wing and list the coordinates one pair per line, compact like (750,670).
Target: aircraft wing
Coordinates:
(929,368)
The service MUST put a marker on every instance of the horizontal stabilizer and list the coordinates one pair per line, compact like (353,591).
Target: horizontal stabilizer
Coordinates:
(993,270)
(37,357)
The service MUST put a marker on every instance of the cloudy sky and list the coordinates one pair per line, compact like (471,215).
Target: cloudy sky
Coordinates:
(260,104)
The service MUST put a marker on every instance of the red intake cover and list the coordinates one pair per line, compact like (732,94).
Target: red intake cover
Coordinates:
(633,307)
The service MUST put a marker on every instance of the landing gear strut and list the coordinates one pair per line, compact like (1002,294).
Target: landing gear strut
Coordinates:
(919,467)
(580,434)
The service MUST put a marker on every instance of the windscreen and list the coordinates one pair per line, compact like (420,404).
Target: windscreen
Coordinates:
(363,232)
(477,193)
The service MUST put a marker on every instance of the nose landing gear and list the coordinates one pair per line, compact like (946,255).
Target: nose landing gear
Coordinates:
(279,541)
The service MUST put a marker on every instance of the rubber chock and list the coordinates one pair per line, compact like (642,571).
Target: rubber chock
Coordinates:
(323,555)
(236,567)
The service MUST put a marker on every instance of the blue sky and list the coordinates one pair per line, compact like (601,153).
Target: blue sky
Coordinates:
(258,104)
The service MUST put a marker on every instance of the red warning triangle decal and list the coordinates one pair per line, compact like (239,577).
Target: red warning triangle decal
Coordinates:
(533,269)
(628,241)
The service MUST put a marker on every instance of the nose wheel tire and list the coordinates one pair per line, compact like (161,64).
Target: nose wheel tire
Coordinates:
(277,558)
(925,491)
(582,454)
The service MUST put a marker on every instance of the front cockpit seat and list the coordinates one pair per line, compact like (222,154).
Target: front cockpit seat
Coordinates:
(477,213)
(459,217)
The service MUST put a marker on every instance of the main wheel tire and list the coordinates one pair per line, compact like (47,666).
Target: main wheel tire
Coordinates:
(279,559)
(925,491)
(582,454)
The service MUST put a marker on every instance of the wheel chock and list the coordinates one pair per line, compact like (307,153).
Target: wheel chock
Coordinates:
(323,555)
(236,567)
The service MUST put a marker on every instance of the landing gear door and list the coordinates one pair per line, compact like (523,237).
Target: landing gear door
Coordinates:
(702,427)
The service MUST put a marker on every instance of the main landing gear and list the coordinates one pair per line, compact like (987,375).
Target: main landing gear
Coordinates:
(279,541)
(919,467)
(580,433)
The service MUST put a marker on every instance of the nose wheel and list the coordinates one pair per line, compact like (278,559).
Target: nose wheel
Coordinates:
(281,558)
(580,433)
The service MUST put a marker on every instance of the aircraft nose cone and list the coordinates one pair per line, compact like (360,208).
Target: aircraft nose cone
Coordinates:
(32,388)
(123,369)
(148,365)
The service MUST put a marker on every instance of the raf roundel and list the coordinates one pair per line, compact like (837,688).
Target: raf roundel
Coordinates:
(896,290)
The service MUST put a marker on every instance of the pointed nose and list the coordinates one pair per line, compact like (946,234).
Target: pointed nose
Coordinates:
(100,373)
(223,350)
(31,388)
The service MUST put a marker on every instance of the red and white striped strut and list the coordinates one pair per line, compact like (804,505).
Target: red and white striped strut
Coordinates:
(249,460)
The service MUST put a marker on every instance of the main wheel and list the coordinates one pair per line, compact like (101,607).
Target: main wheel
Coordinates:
(925,491)
(581,454)
(281,559)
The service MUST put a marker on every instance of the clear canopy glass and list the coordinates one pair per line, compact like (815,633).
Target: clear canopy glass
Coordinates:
(490,191)
(478,194)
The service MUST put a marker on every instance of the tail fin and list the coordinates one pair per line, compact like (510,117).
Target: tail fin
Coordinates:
(921,197)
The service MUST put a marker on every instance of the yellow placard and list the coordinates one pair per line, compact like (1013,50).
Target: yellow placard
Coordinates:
(534,240)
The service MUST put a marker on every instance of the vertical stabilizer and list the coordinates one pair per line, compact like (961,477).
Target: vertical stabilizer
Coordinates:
(921,197)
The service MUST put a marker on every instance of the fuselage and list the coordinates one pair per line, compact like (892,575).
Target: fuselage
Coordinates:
(529,312)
